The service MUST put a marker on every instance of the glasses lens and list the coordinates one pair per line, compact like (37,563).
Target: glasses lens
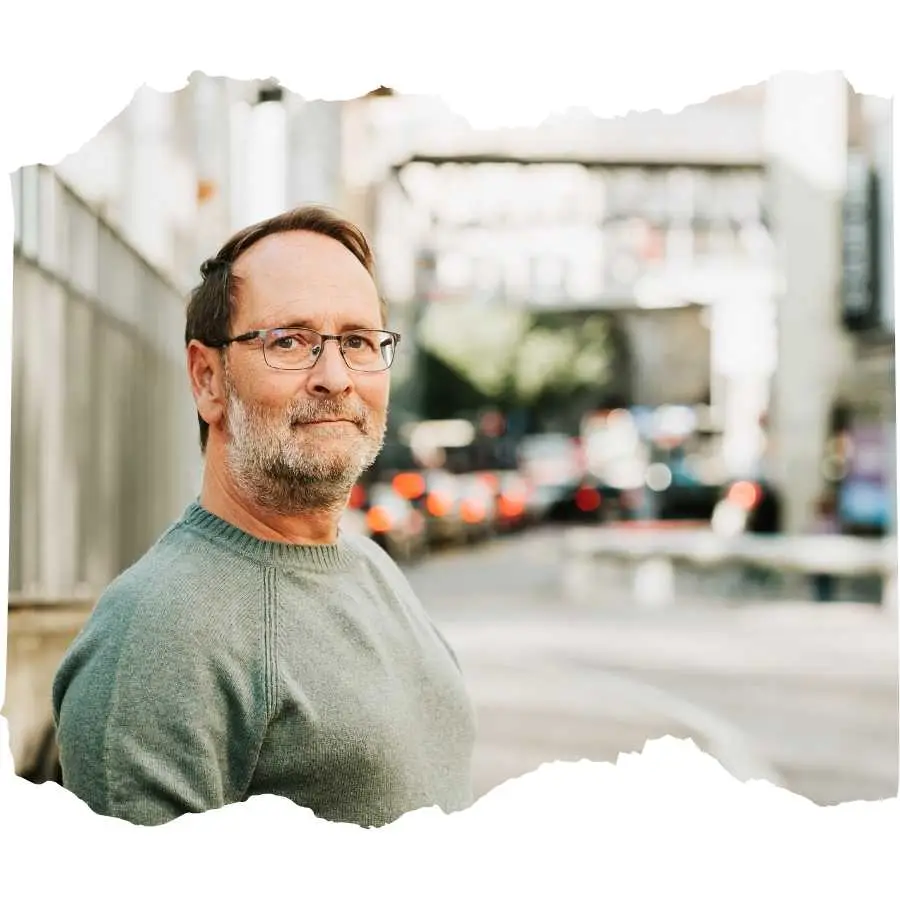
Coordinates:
(292,348)
(368,351)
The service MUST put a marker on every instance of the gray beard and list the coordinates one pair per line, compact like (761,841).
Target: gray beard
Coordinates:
(269,466)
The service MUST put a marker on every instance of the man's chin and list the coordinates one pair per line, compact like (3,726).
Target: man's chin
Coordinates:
(316,464)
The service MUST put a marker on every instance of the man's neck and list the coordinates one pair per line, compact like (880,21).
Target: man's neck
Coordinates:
(220,496)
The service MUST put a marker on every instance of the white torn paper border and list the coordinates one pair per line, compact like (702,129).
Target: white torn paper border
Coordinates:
(670,820)
(656,824)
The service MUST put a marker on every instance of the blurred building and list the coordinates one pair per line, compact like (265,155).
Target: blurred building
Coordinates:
(861,452)
(179,172)
(141,172)
(765,211)
(829,169)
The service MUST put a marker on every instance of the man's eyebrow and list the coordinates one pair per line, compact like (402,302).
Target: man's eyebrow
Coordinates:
(305,323)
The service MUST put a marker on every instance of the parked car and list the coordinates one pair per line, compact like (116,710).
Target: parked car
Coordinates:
(478,505)
(562,489)
(394,523)
(513,500)
(554,467)
(377,511)
(436,495)
(748,506)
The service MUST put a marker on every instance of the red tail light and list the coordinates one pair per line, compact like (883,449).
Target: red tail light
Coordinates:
(587,499)
(438,504)
(409,485)
(511,506)
(744,494)
(379,520)
(472,512)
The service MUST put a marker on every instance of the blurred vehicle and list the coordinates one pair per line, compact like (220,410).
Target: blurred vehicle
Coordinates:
(437,496)
(443,507)
(551,464)
(394,523)
(616,457)
(512,499)
(679,491)
(478,504)
(561,487)
(429,491)
(685,471)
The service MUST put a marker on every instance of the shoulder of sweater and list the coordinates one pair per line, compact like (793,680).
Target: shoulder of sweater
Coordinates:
(177,577)
(375,555)
(386,566)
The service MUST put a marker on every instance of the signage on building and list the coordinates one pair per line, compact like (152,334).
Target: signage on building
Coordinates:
(864,499)
(860,290)
(562,235)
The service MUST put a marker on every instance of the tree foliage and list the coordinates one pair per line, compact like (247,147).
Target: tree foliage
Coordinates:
(514,357)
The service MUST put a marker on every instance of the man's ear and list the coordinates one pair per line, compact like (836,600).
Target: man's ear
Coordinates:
(207,376)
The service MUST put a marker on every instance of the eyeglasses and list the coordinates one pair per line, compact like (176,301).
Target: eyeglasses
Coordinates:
(365,350)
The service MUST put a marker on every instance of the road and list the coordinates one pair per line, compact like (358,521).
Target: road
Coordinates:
(802,694)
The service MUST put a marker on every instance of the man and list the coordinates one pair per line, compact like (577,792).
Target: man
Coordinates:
(257,649)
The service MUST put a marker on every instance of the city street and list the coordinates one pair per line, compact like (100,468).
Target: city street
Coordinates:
(790,691)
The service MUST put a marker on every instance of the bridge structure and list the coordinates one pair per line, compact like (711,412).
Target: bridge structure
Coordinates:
(660,244)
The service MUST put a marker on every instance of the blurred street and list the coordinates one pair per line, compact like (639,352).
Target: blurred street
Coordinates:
(803,692)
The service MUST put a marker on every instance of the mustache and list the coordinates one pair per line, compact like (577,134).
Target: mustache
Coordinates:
(305,412)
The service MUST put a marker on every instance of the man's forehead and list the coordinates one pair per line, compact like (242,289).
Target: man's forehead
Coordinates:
(292,271)
(304,253)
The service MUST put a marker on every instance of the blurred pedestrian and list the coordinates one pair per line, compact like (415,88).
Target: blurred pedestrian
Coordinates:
(764,518)
(258,648)
(765,515)
(824,585)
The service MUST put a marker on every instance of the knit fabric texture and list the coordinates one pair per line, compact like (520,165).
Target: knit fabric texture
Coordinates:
(220,666)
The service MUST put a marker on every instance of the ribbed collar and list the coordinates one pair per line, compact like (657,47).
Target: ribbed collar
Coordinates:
(318,557)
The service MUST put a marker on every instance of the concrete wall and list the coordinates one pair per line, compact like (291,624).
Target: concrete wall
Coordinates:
(807,137)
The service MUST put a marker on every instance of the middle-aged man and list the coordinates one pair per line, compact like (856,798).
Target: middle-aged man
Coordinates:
(256,648)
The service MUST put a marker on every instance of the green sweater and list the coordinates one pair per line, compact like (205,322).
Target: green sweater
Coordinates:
(221,666)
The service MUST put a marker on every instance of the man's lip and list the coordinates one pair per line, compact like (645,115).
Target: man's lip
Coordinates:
(324,421)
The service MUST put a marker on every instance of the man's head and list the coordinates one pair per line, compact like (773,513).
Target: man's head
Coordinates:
(293,420)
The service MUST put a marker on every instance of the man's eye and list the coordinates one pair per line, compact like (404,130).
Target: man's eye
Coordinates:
(358,342)
(290,342)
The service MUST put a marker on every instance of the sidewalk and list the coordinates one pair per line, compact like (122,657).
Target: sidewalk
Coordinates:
(542,713)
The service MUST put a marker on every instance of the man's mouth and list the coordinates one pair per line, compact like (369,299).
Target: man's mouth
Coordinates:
(327,422)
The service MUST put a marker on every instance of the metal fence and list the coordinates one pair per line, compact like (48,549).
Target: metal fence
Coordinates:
(104,444)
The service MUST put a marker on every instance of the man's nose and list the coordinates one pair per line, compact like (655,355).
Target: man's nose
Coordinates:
(330,374)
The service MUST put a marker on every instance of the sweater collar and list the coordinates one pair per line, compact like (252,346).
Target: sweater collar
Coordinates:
(319,557)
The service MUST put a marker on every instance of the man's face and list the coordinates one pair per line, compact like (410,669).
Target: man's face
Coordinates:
(280,452)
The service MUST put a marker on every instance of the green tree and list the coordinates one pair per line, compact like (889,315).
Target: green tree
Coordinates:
(514,358)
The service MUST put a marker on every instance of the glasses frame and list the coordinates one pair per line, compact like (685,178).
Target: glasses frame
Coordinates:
(262,333)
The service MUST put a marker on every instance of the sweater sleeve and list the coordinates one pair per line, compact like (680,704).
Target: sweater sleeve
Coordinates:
(158,719)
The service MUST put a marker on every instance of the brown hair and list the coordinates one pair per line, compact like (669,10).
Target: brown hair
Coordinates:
(212,303)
